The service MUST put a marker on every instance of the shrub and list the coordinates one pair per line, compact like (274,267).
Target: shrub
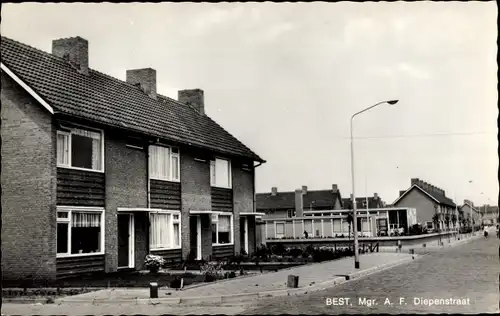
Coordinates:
(295,252)
(211,271)
(232,274)
(153,262)
(278,249)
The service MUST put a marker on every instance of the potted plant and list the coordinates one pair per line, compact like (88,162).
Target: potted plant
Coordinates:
(153,263)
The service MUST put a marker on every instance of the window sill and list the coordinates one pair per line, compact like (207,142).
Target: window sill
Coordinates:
(81,169)
(219,187)
(166,180)
(72,255)
(163,249)
(228,244)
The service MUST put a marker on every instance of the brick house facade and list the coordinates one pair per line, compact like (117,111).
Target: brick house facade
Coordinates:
(98,172)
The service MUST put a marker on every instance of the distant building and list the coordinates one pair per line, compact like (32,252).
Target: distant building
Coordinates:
(471,214)
(373,202)
(428,200)
(489,214)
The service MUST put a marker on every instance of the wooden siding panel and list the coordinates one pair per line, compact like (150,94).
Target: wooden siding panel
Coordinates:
(171,256)
(222,252)
(165,194)
(80,188)
(74,266)
(222,200)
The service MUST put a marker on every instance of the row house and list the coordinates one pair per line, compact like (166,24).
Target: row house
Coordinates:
(471,214)
(428,200)
(490,214)
(98,172)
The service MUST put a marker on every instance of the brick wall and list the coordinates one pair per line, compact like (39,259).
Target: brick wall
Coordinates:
(28,185)
(421,202)
(243,200)
(126,186)
(195,194)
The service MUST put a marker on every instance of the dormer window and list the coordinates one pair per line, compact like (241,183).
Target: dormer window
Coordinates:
(80,149)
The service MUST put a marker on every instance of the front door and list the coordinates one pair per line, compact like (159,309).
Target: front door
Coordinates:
(124,245)
(195,236)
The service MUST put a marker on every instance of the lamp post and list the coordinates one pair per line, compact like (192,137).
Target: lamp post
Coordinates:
(355,221)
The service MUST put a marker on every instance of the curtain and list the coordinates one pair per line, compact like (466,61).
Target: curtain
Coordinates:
(280,229)
(159,161)
(212,172)
(222,172)
(175,167)
(85,219)
(160,230)
(62,149)
(96,146)
(224,224)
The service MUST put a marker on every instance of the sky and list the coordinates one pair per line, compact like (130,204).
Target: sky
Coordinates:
(286,78)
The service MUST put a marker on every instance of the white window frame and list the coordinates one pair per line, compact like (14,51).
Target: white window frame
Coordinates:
(80,209)
(213,164)
(276,231)
(215,219)
(170,230)
(171,155)
(70,144)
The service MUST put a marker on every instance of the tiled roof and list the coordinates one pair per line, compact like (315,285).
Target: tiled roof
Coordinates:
(442,199)
(372,203)
(113,102)
(321,199)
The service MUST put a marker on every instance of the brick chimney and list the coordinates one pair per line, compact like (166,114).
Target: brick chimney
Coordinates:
(274,191)
(194,98)
(335,188)
(415,181)
(144,78)
(75,50)
(304,189)
(402,192)
(375,196)
(299,203)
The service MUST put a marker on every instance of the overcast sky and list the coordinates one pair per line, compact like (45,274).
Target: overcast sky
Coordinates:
(285,79)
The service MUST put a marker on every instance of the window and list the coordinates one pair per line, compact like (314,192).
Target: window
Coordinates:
(164,163)
(280,230)
(222,229)
(220,173)
(79,148)
(80,232)
(165,230)
(290,213)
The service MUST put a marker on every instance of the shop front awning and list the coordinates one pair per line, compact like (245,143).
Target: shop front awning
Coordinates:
(251,214)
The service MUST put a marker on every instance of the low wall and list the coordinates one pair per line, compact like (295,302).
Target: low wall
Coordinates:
(346,242)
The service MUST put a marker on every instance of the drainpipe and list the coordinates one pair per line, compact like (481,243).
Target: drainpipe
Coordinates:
(255,206)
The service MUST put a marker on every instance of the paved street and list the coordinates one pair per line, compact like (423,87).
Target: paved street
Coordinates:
(469,271)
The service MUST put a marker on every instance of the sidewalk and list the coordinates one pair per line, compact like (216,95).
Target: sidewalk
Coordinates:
(433,245)
(315,276)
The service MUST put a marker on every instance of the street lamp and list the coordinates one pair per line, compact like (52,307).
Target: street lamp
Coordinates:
(355,221)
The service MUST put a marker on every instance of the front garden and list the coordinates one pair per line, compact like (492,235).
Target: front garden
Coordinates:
(263,259)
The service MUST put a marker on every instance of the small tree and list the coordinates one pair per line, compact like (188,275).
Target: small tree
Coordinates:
(454,220)
(447,221)
(435,220)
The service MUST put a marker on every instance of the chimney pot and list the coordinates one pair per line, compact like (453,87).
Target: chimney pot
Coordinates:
(375,196)
(75,50)
(274,191)
(144,78)
(335,188)
(304,189)
(194,98)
